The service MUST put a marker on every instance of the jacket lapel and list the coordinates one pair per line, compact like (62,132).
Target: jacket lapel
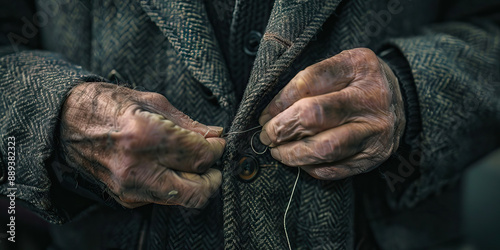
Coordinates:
(292,25)
(186,25)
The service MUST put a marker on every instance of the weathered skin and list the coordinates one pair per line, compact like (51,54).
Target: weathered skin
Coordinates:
(140,146)
(337,118)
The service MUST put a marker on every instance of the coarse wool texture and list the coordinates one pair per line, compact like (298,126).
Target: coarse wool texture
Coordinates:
(451,63)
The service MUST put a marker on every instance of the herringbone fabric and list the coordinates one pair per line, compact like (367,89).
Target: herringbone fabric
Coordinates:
(239,59)
(188,29)
(274,56)
(445,146)
(169,47)
(41,91)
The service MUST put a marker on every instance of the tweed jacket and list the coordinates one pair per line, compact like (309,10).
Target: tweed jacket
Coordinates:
(446,55)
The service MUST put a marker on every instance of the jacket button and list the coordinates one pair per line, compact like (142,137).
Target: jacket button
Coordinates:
(252,42)
(248,168)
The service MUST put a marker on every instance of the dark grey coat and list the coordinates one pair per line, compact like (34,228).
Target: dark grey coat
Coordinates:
(446,55)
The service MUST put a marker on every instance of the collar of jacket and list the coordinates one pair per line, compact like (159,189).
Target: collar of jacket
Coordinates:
(187,27)
(185,23)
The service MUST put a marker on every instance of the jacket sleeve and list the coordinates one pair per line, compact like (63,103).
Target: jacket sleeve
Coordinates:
(449,77)
(33,88)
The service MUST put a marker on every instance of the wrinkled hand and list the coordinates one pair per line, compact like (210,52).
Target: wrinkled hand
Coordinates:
(140,146)
(337,118)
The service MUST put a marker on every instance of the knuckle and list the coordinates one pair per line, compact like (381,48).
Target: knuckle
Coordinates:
(161,179)
(278,105)
(362,53)
(138,133)
(124,176)
(331,147)
(303,75)
(303,81)
(155,97)
(364,58)
(297,155)
(311,113)
(274,132)
(289,161)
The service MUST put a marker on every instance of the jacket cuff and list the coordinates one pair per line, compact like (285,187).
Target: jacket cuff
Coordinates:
(68,181)
(401,68)
(34,85)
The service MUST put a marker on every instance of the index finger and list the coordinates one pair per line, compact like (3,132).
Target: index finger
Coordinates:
(332,74)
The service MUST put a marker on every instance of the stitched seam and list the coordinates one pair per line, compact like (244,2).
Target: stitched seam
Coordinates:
(278,39)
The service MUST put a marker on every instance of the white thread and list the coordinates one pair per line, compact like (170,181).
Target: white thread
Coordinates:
(253,149)
(205,135)
(240,132)
(251,139)
(288,207)
(294,185)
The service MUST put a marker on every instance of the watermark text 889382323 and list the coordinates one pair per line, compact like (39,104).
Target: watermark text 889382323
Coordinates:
(11,178)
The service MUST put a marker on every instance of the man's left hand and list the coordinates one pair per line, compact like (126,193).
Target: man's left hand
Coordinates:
(337,118)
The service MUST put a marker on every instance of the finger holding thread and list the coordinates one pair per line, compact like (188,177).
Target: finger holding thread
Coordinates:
(253,148)
(240,132)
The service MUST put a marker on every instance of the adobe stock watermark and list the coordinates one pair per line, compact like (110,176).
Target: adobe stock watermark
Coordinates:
(377,22)
(478,101)
(11,196)
(31,26)
(406,168)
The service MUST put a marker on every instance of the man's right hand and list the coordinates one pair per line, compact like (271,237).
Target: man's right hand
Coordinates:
(140,146)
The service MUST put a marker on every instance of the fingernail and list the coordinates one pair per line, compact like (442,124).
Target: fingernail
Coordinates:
(276,154)
(216,129)
(264,138)
(264,118)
